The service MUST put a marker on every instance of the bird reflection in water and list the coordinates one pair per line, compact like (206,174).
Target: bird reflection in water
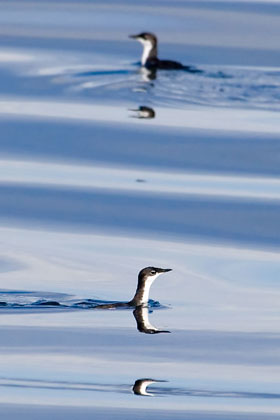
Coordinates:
(141,315)
(148,75)
(143,112)
(140,386)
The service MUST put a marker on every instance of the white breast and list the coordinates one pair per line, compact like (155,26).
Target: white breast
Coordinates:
(147,47)
(142,389)
(149,281)
(145,317)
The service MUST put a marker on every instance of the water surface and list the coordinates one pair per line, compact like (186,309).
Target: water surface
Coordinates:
(93,190)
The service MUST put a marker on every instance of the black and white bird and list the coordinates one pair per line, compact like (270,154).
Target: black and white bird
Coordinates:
(144,112)
(140,386)
(146,277)
(150,59)
(141,315)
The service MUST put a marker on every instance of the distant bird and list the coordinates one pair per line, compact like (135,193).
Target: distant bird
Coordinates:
(144,112)
(146,277)
(140,385)
(150,59)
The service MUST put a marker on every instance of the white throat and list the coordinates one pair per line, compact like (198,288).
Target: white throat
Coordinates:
(143,386)
(146,321)
(149,281)
(147,47)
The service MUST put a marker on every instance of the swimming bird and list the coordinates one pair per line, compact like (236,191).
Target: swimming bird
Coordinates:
(150,59)
(146,277)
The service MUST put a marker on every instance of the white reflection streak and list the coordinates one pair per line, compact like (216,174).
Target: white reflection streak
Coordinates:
(15,57)
(247,120)
(42,173)
(28,361)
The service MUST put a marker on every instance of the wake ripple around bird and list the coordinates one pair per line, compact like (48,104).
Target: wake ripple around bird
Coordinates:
(56,301)
(225,86)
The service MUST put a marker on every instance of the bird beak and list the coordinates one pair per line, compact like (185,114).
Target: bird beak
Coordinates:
(133,36)
(165,270)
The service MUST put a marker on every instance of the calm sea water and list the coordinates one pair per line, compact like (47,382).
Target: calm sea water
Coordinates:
(92,190)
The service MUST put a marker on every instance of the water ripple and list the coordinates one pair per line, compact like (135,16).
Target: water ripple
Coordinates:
(12,299)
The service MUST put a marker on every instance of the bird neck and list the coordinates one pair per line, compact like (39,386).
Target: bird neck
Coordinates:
(149,52)
(141,296)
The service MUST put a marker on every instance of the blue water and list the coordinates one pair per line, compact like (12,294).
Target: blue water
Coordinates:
(94,187)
